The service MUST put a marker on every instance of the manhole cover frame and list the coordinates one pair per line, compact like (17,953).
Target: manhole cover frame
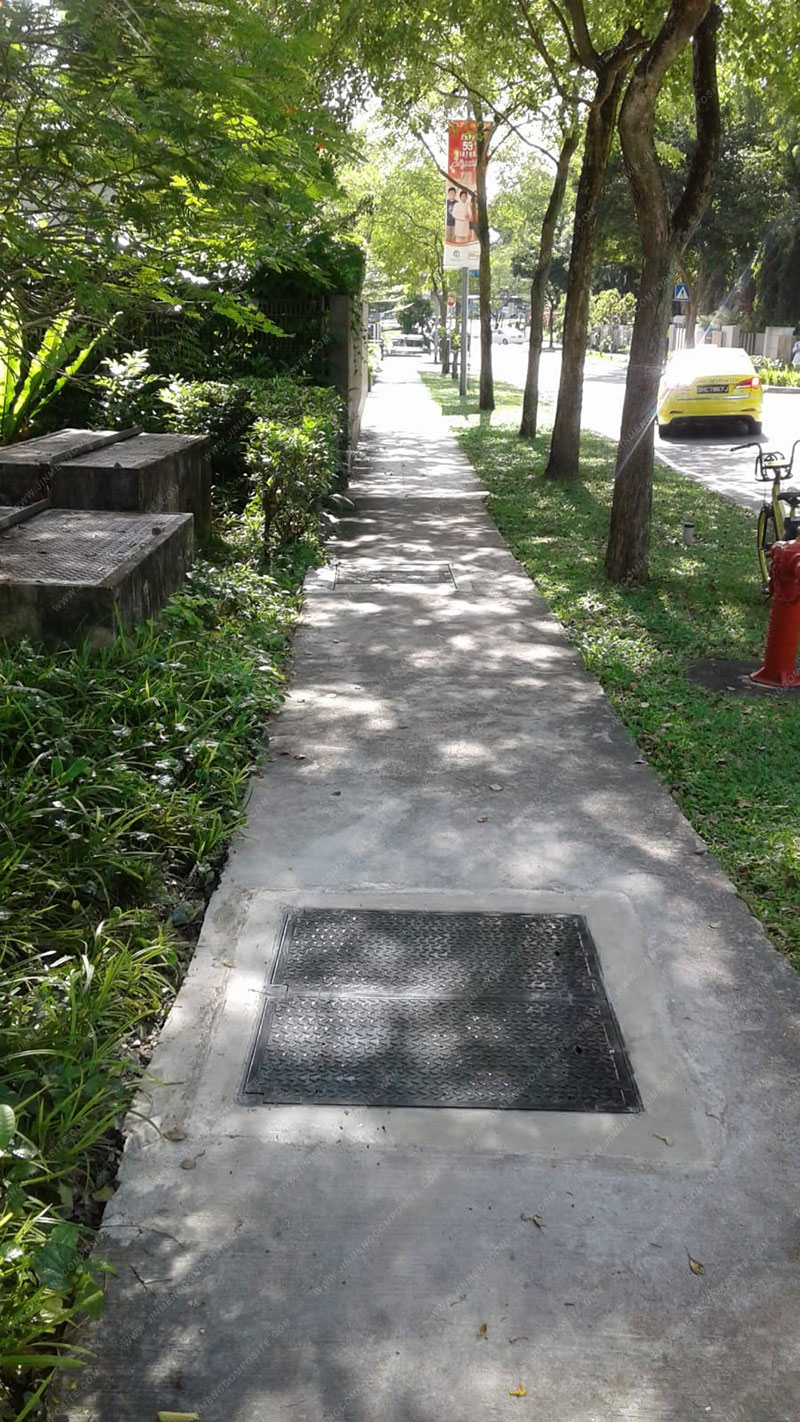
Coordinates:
(593,999)
(347,574)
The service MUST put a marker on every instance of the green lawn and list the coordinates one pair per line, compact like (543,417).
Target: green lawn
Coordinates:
(731,762)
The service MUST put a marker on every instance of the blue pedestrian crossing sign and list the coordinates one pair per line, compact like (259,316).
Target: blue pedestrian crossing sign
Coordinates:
(681,291)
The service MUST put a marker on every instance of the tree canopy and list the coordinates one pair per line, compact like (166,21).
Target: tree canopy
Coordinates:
(160,147)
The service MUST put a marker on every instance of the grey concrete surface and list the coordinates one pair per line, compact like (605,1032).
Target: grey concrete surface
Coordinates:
(291,1265)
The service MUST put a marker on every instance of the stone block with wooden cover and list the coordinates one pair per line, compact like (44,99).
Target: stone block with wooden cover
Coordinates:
(124,471)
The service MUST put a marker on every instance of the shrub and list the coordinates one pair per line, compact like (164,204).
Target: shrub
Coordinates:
(227,412)
(288,400)
(30,379)
(774,372)
(223,411)
(123,772)
(292,468)
(298,459)
(129,393)
(612,308)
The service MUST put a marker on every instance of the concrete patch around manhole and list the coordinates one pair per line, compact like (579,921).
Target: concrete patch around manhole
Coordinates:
(733,678)
(219,1008)
(497,1011)
(356,578)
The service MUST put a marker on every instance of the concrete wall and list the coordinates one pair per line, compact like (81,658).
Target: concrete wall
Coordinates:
(349,320)
(775,343)
(778,342)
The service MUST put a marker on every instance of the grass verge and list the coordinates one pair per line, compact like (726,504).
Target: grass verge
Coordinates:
(123,774)
(729,761)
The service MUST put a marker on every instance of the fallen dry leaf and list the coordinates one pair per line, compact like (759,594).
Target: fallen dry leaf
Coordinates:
(518,1391)
(666,1139)
(695,1265)
(532,1219)
(175,1133)
(482,1330)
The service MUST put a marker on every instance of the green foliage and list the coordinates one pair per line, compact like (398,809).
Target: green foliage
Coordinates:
(128,391)
(220,140)
(716,754)
(123,772)
(222,410)
(29,380)
(413,315)
(396,204)
(291,469)
(225,411)
(290,401)
(612,308)
(518,209)
(776,271)
(774,372)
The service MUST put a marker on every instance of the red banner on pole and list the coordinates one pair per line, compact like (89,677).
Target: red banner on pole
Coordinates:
(461,247)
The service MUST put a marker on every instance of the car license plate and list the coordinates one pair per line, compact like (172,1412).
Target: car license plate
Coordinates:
(712,389)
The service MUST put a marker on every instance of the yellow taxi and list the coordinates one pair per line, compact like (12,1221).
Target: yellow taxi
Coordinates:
(709,383)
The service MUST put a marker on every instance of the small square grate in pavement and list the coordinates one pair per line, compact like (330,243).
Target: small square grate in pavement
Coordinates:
(429,574)
(506,1011)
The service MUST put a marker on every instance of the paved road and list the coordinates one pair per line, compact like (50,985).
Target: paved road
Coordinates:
(704,457)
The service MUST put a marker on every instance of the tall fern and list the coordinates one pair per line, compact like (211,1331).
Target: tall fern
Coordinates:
(28,383)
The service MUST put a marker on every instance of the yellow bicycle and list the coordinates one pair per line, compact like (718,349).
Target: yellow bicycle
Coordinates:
(775,522)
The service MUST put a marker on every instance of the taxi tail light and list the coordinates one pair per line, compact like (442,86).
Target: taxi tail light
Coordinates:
(753,382)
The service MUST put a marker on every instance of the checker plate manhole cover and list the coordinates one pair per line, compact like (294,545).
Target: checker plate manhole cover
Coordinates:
(428,573)
(77,546)
(403,1008)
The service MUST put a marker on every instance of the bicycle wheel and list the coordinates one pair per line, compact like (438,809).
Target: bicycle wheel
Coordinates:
(766,535)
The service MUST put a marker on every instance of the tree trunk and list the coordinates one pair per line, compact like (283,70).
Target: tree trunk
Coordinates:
(693,307)
(530,399)
(486,388)
(629,536)
(565,444)
(665,235)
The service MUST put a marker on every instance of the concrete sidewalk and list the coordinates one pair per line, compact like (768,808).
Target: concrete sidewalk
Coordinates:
(293,1264)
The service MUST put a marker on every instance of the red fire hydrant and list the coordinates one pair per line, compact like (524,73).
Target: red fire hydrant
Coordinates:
(783,637)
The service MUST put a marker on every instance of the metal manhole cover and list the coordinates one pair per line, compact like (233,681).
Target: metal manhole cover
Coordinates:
(78,546)
(404,1008)
(428,573)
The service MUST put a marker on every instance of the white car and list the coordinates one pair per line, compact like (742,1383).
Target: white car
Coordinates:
(509,336)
